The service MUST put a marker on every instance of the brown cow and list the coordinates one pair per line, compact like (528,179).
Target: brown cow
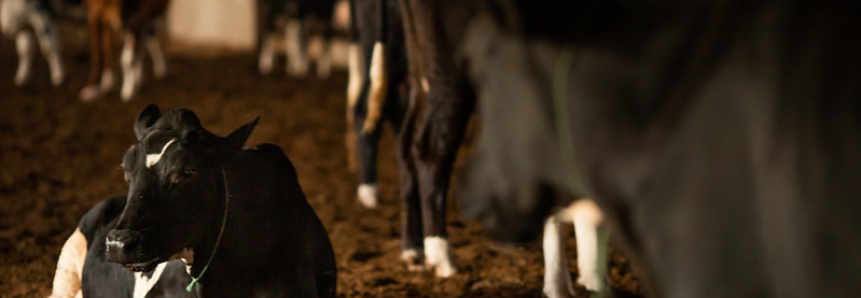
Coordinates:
(137,19)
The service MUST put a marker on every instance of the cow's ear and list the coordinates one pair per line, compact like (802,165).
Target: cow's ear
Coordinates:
(234,142)
(145,120)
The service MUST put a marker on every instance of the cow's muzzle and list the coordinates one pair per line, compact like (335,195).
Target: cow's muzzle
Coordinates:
(124,247)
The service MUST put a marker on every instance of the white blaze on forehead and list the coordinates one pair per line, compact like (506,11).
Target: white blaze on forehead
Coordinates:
(152,159)
(144,284)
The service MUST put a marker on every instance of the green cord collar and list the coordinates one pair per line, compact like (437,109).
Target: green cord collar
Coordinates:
(220,233)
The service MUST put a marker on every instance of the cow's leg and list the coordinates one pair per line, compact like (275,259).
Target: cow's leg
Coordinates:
(47,35)
(159,64)
(412,232)
(354,86)
(367,150)
(128,61)
(267,53)
(70,265)
(592,241)
(297,56)
(557,278)
(107,45)
(24,44)
(91,90)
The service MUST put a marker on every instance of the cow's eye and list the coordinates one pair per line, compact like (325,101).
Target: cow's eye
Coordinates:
(188,173)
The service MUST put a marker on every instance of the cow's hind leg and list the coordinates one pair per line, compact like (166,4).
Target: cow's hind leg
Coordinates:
(324,62)
(557,278)
(592,241)
(24,45)
(132,64)
(47,35)
(159,63)
(367,144)
(297,56)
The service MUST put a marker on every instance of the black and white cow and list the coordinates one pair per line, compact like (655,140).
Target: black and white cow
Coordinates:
(16,17)
(84,271)
(304,17)
(239,214)
(721,139)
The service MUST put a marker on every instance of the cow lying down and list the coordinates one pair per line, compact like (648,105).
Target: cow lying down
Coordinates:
(203,218)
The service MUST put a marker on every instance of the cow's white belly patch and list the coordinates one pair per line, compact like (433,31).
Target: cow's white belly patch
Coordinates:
(144,284)
(152,159)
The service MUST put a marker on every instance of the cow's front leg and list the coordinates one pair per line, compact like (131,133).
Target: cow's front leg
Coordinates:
(324,62)
(267,53)
(132,64)
(47,35)
(433,185)
(297,56)
(92,91)
(557,278)
(24,44)
(592,241)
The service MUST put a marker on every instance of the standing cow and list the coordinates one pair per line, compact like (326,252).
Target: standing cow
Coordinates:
(238,216)
(15,18)
(137,19)
(303,18)
(722,139)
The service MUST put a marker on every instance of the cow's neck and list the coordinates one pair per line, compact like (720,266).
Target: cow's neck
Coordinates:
(211,253)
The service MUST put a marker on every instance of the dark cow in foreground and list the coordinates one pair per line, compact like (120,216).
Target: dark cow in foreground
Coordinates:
(137,19)
(304,17)
(240,215)
(16,16)
(721,139)
(84,271)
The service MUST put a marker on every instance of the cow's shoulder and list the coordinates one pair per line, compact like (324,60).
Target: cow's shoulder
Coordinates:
(100,216)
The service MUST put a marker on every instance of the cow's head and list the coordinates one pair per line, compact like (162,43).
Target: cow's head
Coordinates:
(176,191)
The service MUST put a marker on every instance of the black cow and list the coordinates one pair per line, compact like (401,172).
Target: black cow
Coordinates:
(240,214)
(722,139)
(84,271)
(303,17)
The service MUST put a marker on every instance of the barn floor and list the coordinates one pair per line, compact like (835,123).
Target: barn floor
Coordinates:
(59,156)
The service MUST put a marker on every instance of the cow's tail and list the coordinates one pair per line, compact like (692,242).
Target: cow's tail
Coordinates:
(354,87)
(67,279)
(378,74)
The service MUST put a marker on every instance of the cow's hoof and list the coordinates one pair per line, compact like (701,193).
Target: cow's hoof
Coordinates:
(592,282)
(367,194)
(57,80)
(298,69)
(128,91)
(90,93)
(560,288)
(438,256)
(413,260)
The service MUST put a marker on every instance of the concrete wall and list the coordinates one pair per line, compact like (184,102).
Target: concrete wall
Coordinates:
(228,24)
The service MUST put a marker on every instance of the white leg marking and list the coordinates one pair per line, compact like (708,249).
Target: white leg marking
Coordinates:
(24,43)
(324,63)
(67,278)
(592,241)
(267,55)
(367,194)
(438,255)
(159,64)
(557,278)
(379,86)
(144,284)
(425,85)
(152,159)
(297,60)
(47,35)
(357,69)
(127,60)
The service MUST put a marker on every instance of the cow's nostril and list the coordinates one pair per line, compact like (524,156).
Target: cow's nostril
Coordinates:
(121,244)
